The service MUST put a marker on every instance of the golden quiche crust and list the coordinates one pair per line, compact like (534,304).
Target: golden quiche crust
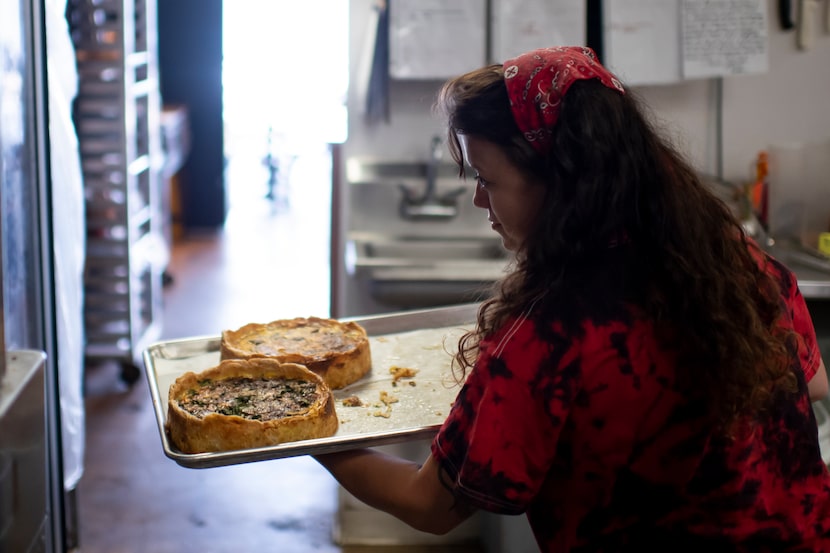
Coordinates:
(220,431)
(337,351)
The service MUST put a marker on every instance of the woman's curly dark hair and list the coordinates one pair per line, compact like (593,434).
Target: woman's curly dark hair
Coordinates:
(627,223)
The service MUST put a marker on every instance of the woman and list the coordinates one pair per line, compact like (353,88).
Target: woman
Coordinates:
(641,380)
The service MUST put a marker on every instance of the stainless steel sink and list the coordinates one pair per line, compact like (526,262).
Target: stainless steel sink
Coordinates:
(417,271)
(362,170)
(414,237)
(471,258)
(420,197)
(418,250)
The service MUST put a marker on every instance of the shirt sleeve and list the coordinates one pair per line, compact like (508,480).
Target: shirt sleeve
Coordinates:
(808,350)
(809,355)
(500,438)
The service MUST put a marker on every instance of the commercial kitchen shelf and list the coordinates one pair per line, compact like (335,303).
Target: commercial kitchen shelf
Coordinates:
(117,115)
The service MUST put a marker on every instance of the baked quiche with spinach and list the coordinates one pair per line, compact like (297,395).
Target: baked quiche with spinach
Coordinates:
(248,403)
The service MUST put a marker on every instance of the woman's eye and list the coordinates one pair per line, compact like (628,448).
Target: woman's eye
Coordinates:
(482,182)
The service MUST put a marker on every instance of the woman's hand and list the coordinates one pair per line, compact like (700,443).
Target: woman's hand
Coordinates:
(415,494)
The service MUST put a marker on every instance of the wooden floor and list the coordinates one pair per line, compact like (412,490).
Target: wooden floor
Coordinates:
(269,261)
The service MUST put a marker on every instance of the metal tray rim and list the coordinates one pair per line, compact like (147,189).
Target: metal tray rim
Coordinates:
(389,323)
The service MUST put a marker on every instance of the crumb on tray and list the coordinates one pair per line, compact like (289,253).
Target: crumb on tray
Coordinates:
(352,401)
(385,405)
(401,372)
(386,398)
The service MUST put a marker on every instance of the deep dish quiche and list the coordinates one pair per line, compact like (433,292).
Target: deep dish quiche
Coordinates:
(248,403)
(337,351)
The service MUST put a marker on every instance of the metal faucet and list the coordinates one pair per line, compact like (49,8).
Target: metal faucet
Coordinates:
(430,205)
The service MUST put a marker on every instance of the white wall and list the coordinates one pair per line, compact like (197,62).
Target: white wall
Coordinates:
(789,103)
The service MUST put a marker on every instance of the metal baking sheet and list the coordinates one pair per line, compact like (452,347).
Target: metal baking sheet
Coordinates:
(424,340)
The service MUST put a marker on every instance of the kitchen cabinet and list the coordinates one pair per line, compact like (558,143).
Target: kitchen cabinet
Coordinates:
(24,469)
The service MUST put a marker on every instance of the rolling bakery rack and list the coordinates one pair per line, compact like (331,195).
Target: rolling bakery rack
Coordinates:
(117,117)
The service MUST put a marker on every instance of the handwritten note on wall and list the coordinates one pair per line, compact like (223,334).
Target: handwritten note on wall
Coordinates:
(642,40)
(522,25)
(724,37)
(434,39)
(664,41)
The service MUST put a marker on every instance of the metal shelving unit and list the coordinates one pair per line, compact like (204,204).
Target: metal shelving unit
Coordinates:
(117,116)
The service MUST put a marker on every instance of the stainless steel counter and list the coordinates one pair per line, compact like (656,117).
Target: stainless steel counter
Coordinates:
(812,285)
(813,272)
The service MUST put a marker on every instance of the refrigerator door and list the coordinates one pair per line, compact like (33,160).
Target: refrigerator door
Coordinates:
(19,182)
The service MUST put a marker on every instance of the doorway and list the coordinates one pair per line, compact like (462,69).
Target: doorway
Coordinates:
(285,75)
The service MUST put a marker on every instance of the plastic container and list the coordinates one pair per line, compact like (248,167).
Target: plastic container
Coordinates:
(824,243)
(799,201)
(817,193)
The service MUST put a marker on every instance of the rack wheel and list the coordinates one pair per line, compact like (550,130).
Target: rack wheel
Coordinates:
(130,373)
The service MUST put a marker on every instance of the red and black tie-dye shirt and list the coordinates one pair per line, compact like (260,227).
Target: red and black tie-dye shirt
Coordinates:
(587,436)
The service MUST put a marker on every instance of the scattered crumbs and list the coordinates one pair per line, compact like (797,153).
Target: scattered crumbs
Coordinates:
(412,383)
(386,398)
(382,339)
(352,401)
(439,413)
(401,372)
(386,401)
(434,347)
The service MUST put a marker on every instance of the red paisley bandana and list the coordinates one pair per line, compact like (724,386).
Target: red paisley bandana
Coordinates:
(538,80)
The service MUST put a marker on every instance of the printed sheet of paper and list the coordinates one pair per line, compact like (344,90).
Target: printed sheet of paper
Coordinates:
(518,26)
(724,37)
(434,39)
(642,40)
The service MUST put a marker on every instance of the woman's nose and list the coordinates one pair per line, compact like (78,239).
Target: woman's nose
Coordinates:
(481,198)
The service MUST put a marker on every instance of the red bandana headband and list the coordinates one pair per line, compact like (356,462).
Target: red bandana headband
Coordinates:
(538,80)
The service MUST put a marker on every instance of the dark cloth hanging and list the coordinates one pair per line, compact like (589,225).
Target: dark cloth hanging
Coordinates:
(377,97)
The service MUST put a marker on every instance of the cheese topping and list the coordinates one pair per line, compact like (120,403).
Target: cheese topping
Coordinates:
(311,340)
(255,399)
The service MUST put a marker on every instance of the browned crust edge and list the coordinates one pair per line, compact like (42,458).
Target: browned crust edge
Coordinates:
(217,432)
(338,369)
